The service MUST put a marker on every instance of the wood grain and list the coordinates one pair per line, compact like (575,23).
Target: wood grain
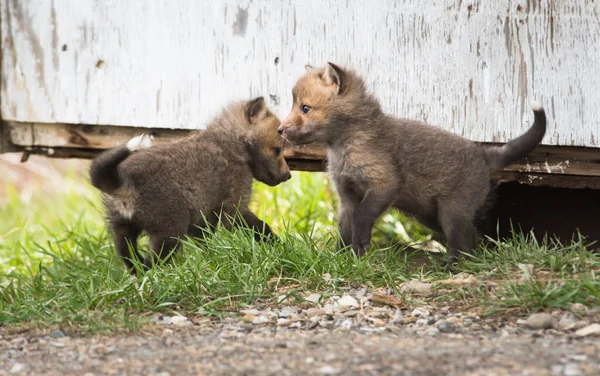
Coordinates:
(469,66)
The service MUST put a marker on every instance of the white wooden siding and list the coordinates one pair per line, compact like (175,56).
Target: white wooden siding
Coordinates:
(470,67)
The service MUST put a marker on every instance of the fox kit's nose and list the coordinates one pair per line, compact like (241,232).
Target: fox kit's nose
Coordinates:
(279,130)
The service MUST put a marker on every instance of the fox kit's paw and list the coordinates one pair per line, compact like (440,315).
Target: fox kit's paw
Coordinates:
(142,141)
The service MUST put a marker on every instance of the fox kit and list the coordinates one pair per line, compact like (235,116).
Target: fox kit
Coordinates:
(377,161)
(172,190)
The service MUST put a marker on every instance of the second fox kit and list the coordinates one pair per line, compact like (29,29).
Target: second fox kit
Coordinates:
(377,161)
(175,189)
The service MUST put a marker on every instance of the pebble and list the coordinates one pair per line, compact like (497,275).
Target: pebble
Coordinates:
(327,324)
(417,287)
(344,324)
(539,321)
(283,322)
(18,341)
(579,308)
(571,369)
(250,311)
(420,312)
(57,334)
(18,368)
(347,301)
(445,327)
(261,320)
(567,322)
(351,313)
(313,298)
(312,312)
(433,331)
(398,317)
(593,329)
(422,322)
(180,321)
(329,370)
(287,312)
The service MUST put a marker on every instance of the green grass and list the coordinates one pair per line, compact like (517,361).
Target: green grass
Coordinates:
(58,265)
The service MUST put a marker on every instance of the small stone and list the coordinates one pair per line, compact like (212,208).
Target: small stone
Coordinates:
(166,320)
(445,327)
(57,334)
(313,298)
(296,325)
(312,312)
(287,312)
(539,321)
(249,317)
(377,322)
(283,322)
(351,313)
(571,369)
(58,344)
(327,324)
(433,331)
(422,322)
(360,292)
(329,370)
(262,319)
(417,287)
(593,329)
(398,317)
(180,321)
(420,312)
(250,311)
(347,301)
(328,309)
(579,308)
(567,322)
(344,324)
(282,299)
(18,368)
(313,324)
(18,341)
(445,310)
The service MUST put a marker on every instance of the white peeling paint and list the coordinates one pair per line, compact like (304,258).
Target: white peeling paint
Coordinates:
(471,67)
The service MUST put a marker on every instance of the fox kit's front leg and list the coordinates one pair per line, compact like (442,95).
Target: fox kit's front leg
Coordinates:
(375,202)
(348,200)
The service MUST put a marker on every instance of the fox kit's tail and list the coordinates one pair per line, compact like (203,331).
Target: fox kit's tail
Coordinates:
(104,171)
(520,147)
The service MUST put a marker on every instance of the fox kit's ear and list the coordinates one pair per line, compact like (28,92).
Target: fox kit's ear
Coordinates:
(334,75)
(308,68)
(255,107)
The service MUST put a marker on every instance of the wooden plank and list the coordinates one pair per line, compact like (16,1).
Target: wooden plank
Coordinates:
(470,67)
(547,165)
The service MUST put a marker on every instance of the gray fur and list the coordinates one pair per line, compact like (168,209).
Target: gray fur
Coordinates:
(169,190)
(377,161)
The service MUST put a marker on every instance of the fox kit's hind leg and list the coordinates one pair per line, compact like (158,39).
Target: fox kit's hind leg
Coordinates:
(162,246)
(458,228)
(126,234)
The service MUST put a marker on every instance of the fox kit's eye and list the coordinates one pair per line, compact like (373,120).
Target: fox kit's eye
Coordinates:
(277,152)
(305,108)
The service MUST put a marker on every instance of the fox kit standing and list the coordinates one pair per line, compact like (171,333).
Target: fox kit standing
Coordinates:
(377,161)
(177,189)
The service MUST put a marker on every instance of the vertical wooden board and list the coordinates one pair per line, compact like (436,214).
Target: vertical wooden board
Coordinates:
(469,66)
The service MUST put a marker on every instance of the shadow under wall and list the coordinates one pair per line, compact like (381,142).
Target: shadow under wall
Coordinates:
(545,210)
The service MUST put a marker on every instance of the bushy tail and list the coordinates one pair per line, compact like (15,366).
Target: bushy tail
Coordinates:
(104,172)
(522,146)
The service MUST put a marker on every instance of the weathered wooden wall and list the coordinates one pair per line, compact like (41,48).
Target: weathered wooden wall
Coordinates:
(468,66)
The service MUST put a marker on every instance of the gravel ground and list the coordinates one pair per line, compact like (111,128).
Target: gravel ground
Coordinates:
(271,350)
(359,332)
